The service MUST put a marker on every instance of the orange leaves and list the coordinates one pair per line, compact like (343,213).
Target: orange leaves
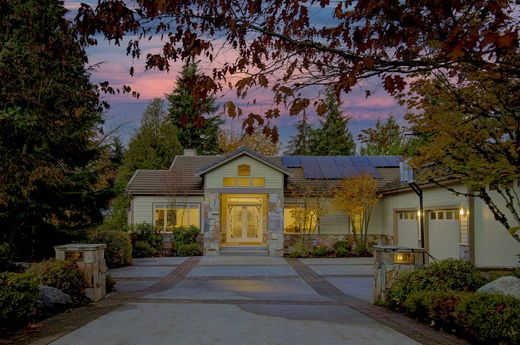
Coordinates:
(231,109)
(394,84)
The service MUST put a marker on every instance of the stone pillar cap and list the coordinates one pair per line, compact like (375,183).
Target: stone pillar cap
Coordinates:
(81,246)
(398,249)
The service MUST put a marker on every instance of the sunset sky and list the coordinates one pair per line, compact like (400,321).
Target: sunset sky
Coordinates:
(125,111)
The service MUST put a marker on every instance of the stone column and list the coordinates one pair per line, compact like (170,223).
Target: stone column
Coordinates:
(275,224)
(90,259)
(212,224)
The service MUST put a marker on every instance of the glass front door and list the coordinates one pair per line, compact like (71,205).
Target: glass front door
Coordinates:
(245,223)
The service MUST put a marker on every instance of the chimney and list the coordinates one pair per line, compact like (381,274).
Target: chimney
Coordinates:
(190,152)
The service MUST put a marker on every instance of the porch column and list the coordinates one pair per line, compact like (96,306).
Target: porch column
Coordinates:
(212,224)
(275,224)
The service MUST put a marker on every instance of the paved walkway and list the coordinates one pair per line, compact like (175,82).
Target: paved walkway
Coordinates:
(239,300)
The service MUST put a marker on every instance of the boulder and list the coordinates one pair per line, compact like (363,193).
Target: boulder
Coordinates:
(52,298)
(507,285)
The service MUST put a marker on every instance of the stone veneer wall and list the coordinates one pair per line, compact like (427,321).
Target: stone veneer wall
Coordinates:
(212,224)
(328,240)
(275,225)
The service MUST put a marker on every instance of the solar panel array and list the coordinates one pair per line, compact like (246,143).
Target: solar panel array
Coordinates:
(337,167)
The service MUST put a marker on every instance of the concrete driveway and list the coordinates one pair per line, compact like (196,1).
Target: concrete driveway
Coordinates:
(246,300)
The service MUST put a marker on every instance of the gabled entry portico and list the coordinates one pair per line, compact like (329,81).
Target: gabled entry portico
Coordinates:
(244,219)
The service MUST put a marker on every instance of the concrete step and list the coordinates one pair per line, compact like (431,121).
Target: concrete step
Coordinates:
(244,251)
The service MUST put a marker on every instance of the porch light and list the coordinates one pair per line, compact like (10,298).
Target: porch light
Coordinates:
(461,211)
(418,213)
(403,258)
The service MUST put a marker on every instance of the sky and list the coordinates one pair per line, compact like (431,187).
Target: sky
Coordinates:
(125,111)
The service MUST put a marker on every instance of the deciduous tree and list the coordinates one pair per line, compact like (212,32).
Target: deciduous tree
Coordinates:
(229,141)
(386,138)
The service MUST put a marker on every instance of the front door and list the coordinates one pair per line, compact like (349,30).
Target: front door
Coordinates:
(244,223)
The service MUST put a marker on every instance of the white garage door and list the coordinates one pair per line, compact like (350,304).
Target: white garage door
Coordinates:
(444,228)
(407,229)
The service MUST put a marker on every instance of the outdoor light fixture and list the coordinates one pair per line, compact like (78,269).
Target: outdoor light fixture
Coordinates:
(419,213)
(461,211)
(403,258)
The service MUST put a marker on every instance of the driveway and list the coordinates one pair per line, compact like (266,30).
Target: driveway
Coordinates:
(246,300)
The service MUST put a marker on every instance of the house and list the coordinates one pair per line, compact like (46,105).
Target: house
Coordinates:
(246,202)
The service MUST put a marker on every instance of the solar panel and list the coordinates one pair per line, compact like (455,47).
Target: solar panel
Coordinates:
(291,161)
(328,167)
(360,161)
(311,168)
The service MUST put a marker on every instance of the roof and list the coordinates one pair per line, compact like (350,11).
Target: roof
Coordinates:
(185,175)
(244,151)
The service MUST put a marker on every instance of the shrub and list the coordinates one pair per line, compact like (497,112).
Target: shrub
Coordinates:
(435,306)
(18,298)
(342,252)
(362,251)
(63,275)
(319,251)
(300,251)
(490,318)
(148,234)
(342,248)
(190,249)
(110,284)
(119,246)
(450,274)
(6,262)
(184,235)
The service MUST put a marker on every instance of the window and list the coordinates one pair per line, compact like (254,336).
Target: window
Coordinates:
(244,182)
(258,181)
(449,215)
(244,170)
(297,219)
(433,216)
(168,217)
(230,182)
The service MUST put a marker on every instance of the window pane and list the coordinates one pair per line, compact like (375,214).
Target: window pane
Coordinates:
(244,182)
(229,182)
(400,215)
(440,215)
(194,216)
(433,216)
(244,170)
(159,218)
(258,181)
(449,215)
(181,213)
(170,219)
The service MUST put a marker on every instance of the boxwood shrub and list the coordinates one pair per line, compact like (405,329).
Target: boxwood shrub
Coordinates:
(147,240)
(490,318)
(119,246)
(63,275)
(18,298)
(190,249)
(185,235)
(445,275)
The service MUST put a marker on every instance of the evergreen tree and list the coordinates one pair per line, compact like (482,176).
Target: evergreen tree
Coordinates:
(153,146)
(192,113)
(299,144)
(333,137)
(53,166)
(387,138)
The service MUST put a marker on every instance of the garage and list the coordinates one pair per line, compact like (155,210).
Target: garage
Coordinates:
(444,234)
(407,229)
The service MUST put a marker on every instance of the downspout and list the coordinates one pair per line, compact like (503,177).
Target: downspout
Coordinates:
(415,187)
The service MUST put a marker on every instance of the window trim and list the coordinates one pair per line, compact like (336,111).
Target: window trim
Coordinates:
(166,206)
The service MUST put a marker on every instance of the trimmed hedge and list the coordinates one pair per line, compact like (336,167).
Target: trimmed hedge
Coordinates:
(63,275)
(147,240)
(184,235)
(490,318)
(435,307)
(190,249)
(119,246)
(18,299)
(445,275)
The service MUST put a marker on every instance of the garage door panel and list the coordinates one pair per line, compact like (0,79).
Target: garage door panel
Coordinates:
(407,229)
(444,234)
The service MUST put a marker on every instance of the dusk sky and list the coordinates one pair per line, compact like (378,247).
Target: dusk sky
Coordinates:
(125,111)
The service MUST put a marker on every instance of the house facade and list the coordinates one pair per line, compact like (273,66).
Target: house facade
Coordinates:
(246,202)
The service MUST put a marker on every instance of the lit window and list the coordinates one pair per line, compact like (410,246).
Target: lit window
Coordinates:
(230,182)
(168,218)
(244,182)
(297,219)
(244,170)
(258,181)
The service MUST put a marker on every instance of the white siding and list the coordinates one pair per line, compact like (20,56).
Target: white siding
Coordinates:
(494,247)
(143,206)
(273,177)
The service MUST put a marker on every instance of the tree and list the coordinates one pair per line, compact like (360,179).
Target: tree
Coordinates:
(357,196)
(229,141)
(53,162)
(387,138)
(471,133)
(154,145)
(281,46)
(300,143)
(333,138)
(191,112)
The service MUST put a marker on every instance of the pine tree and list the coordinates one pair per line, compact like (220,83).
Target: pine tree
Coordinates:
(299,144)
(386,138)
(192,113)
(333,137)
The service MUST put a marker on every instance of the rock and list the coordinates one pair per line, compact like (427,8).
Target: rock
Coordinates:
(52,298)
(507,285)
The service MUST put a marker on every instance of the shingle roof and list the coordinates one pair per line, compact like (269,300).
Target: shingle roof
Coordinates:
(183,176)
